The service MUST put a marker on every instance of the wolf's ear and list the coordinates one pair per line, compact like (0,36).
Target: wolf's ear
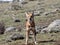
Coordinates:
(26,13)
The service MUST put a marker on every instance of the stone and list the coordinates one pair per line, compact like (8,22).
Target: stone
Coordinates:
(53,27)
(38,28)
(10,29)
(16,20)
(36,13)
(16,36)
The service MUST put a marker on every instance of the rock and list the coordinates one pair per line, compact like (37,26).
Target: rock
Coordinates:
(36,13)
(23,2)
(10,29)
(16,36)
(2,27)
(38,28)
(46,13)
(53,27)
(44,30)
(16,20)
(53,11)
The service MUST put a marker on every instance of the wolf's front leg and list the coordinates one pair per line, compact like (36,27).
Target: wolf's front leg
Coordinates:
(27,37)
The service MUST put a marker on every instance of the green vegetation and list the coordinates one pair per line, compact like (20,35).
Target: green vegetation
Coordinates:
(39,20)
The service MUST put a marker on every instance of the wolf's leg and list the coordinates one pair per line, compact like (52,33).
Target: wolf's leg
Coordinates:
(27,37)
(34,36)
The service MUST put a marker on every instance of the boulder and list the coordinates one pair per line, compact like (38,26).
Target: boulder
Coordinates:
(53,27)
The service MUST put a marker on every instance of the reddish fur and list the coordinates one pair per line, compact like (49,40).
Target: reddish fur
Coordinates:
(30,26)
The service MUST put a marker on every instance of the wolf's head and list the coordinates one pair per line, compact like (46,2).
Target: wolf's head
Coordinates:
(30,16)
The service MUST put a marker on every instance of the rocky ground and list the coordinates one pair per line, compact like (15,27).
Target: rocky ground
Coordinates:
(47,17)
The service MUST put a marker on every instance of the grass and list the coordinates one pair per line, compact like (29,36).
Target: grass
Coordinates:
(42,39)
